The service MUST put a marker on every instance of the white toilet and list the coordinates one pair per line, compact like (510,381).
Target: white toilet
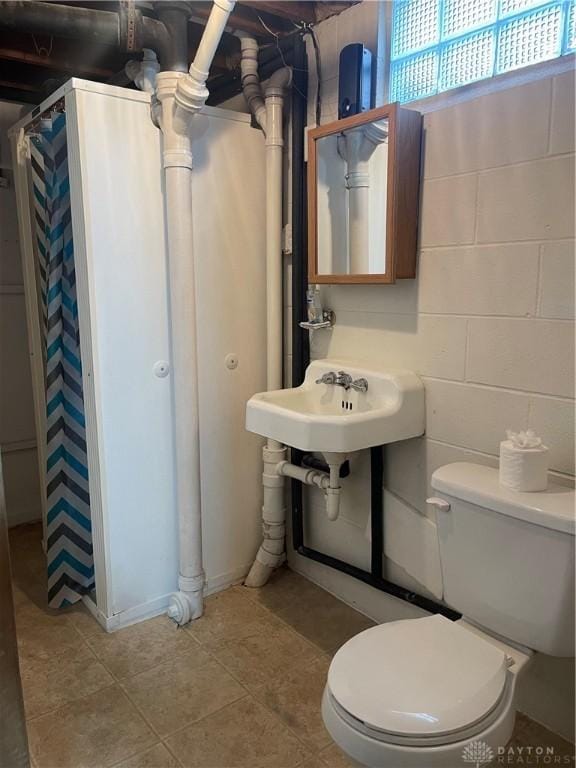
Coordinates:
(418,692)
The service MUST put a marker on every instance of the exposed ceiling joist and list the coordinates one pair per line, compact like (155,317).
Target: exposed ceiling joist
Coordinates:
(246,19)
(54,62)
(293,11)
(12,84)
(32,64)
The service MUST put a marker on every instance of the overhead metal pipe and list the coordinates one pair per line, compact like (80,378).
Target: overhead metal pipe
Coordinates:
(166,36)
(61,21)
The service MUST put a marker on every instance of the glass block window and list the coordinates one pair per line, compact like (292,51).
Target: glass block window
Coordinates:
(570,44)
(442,44)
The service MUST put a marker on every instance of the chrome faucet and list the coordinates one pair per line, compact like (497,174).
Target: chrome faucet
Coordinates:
(343,379)
(327,378)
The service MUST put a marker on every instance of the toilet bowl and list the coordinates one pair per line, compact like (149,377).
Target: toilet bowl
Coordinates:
(430,692)
(415,693)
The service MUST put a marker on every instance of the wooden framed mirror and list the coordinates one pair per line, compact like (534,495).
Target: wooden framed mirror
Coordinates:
(363,195)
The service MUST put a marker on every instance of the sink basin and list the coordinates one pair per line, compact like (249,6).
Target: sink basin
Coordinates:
(326,417)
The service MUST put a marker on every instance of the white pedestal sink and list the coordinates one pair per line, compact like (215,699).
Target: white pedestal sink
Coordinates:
(330,419)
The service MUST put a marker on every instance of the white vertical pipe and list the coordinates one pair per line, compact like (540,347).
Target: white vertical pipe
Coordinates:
(358,152)
(185,376)
(358,228)
(271,552)
(274,145)
(181,96)
(177,161)
(356,147)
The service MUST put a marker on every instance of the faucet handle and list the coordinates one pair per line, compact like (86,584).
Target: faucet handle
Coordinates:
(343,379)
(360,385)
(327,378)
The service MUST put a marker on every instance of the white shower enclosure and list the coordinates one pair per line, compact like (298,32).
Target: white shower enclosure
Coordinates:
(118,224)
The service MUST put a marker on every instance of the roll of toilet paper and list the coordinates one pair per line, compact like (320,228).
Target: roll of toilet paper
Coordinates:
(523,462)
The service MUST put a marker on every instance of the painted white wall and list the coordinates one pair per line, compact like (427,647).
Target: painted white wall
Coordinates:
(229,245)
(17,434)
(488,323)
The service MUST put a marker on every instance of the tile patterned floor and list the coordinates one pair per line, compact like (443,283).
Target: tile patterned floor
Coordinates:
(240,688)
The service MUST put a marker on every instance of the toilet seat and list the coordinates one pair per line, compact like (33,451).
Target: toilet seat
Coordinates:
(366,750)
(418,681)
(385,738)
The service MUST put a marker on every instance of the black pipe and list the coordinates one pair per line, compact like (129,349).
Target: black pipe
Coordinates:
(309,460)
(61,21)
(382,584)
(168,37)
(377,511)
(374,577)
(300,338)
(270,59)
(226,86)
(300,349)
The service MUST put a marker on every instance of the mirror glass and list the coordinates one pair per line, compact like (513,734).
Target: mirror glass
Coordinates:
(352,173)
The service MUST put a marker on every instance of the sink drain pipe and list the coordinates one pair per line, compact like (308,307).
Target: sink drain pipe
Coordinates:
(181,95)
(329,482)
(267,108)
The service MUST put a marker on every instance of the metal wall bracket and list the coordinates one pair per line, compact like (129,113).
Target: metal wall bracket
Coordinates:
(328,320)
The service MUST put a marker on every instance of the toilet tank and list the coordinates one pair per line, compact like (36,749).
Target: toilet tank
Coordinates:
(508,557)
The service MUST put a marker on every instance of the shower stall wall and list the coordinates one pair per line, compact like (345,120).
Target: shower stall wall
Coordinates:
(118,233)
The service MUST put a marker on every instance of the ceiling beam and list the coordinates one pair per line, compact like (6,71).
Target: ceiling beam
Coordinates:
(19,86)
(76,67)
(245,19)
(293,11)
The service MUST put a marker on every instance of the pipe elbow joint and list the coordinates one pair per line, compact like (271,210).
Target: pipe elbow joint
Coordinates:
(191,92)
(279,81)
(246,39)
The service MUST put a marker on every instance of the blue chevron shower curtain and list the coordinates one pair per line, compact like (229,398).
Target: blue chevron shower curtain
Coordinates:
(69,531)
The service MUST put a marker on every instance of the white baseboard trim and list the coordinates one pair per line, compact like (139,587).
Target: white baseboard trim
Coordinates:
(224,580)
(93,610)
(160,604)
(131,616)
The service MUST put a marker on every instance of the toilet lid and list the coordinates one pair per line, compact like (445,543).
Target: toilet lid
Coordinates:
(419,677)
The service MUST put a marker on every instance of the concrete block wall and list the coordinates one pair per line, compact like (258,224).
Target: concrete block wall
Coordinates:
(17,431)
(487,324)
